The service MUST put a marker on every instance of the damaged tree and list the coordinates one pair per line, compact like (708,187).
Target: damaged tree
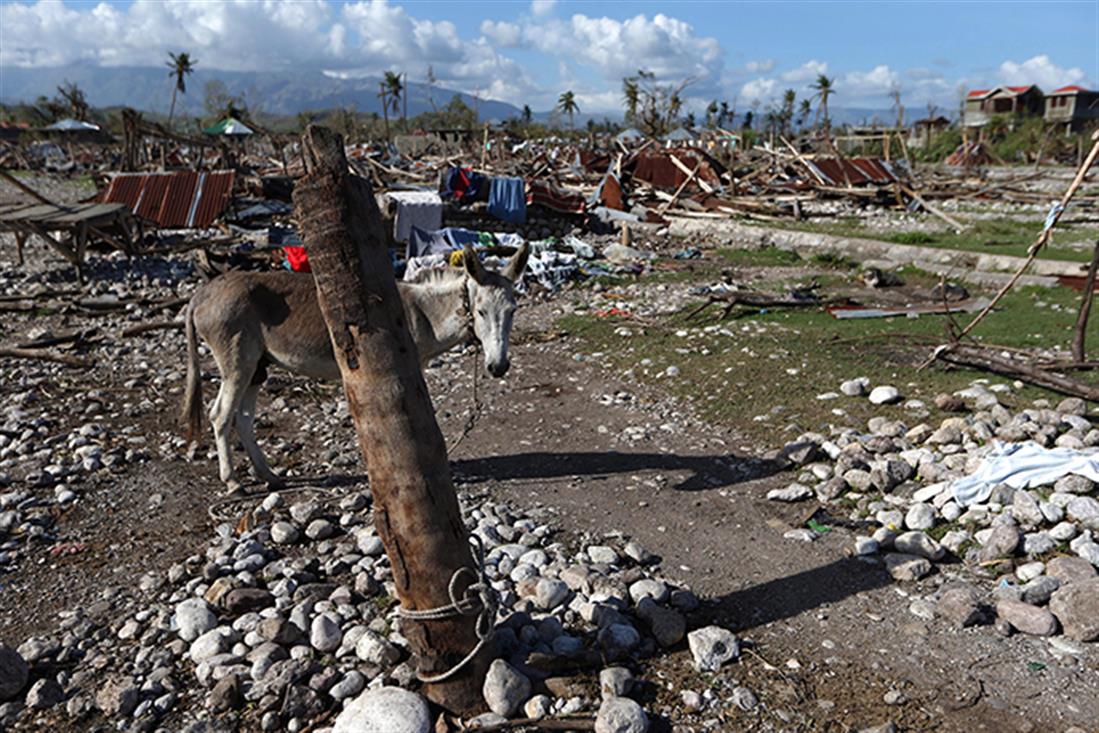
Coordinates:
(415,506)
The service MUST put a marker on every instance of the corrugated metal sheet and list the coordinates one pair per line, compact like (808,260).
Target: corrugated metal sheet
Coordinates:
(659,171)
(176,200)
(859,171)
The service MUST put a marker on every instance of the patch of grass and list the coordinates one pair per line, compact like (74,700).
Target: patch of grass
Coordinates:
(988,236)
(765,257)
(763,373)
(911,238)
(838,262)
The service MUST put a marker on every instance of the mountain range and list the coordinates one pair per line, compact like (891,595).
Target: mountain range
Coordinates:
(285,93)
(282,93)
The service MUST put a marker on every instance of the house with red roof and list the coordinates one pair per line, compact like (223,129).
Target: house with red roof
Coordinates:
(1074,107)
(981,105)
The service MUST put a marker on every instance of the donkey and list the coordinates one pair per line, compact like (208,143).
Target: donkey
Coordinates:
(253,319)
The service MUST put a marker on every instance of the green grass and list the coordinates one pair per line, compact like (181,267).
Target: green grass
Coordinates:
(1004,237)
(741,378)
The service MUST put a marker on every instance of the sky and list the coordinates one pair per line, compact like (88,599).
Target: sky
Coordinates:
(745,53)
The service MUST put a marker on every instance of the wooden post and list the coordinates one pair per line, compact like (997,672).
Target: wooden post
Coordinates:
(415,506)
(1078,352)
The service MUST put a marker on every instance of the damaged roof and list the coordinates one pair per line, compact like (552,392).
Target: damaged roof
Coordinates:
(177,200)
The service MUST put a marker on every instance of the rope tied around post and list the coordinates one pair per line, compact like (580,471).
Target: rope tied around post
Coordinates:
(478,599)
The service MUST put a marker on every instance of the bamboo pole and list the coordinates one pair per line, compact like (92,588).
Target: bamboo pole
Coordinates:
(1079,331)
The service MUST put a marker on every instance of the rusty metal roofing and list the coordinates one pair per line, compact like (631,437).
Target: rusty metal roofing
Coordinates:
(859,171)
(177,200)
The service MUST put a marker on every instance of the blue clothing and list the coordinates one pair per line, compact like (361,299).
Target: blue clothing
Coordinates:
(440,241)
(507,200)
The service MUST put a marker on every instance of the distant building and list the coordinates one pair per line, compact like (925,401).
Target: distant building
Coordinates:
(982,104)
(924,131)
(1072,106)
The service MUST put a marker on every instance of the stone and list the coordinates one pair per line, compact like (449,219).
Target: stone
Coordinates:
(1074,484)
(884,395)
(324,633)
(667,626)
(615,682)
(550,593)
(13,673)
(193,618)
(505,688)
(855,387)
(1073,406)
(621,715)
(538,707)
(284,533)
(602,554)
(279,631)
(791,493)
(866,546)
(385,710)
(1038,590)
(374,649)
(1069,569)
(918,543)
(920,517)
(213,642)
(243,600)
(711,647)
(744,698)
(350,684)
(959,607)
(1027,618)
(649,588)
(903,566)
(618,640)
(226,695)
(1001,543)
(44,694)
(1076,606)
(118,696)
(1084,510)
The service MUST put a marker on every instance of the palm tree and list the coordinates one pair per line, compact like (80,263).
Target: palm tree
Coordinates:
(394,89)
(804,111)
(675,105)
(711,114)
(824,89)
(789,99)
(723,114)
(566,104)
(631,95)
(528,114)
(182,66)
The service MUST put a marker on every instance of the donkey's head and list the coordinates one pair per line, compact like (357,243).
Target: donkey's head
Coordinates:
(492,305)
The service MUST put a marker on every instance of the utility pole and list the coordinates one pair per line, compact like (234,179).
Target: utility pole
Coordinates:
(415,505)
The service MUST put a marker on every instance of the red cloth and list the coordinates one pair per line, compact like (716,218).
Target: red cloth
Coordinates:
(297,259)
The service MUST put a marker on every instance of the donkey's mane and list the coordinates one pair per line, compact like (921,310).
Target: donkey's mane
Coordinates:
(437,276)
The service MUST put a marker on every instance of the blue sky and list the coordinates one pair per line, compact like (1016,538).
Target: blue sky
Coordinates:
(528,52)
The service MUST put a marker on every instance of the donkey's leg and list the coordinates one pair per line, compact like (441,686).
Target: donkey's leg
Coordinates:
(246,418)
(228,402)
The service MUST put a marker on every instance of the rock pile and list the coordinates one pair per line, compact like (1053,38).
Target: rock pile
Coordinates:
(293,622)
(1037,545)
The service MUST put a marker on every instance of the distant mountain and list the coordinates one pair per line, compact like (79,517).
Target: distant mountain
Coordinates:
(283,93)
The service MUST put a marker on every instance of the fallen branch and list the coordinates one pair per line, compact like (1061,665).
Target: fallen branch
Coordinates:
(982,358)
(17,353)
(538,724)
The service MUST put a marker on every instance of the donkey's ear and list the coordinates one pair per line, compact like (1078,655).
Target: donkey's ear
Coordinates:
(473,265)
(513,270)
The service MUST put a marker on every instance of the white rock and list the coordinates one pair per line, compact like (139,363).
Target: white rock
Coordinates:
(193,618)
(884,395)
(505,688)
(385,710)
(712,647)
(621,715)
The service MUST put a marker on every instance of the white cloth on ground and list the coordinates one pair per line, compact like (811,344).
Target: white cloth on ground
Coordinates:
(1023,466)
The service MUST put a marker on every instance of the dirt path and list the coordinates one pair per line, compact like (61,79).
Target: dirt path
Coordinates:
(684,493)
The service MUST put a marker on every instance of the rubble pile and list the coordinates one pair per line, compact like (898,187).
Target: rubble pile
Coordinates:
(1022,559)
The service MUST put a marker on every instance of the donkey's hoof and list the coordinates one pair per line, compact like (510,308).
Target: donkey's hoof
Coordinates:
(234,488)
(274,483)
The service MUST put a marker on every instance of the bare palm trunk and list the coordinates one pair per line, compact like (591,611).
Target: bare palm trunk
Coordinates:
(172,109)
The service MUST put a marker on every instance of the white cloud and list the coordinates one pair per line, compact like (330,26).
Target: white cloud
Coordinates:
(760,67)
(808,71)
(877,82)
(502,33)
(1042,71)
(759,90)
(542,7)
(666,46)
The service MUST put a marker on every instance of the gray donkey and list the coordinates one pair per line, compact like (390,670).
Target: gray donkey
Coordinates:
(253,319)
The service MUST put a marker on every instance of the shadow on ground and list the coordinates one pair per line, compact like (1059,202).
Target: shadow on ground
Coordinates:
(706,472)
(789,596)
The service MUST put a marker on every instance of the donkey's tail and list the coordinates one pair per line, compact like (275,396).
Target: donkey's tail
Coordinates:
(191,415)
